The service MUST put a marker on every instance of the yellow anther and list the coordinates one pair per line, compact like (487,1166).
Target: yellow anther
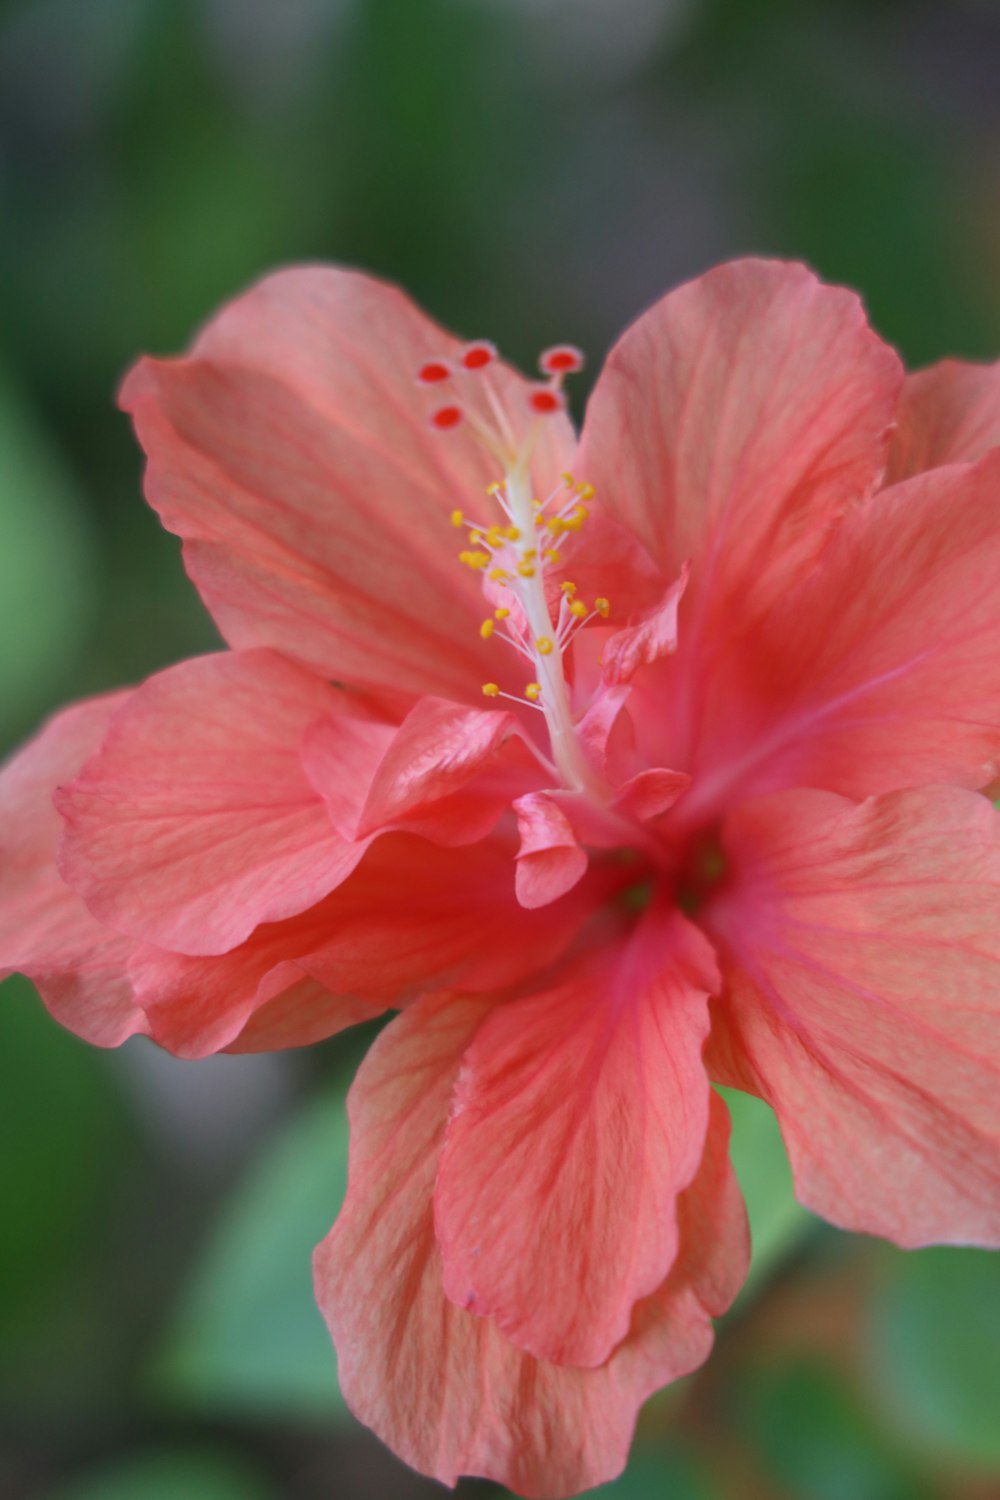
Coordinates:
(557,526)
(513,534)
(475,537)
(536,505)
(526,569)
(544,645)
(498,575)
(493,489)
(551,554)
(572,523)
(603,607)
(567,479)
(529,554)
(578,608)
(569,589)
(491,690)
(475,560)
(585,491)
(502,613)
(539,519)
(486,629)
(495,536)
(533,691)
(457,519)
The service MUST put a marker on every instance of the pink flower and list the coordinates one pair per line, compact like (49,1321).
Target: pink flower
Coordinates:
(679,778)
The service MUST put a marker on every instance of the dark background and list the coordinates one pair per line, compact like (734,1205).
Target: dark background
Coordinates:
(532,171)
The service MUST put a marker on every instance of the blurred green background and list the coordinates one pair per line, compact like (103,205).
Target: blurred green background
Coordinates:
(532,170)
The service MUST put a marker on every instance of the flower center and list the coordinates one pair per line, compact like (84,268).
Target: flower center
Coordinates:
(702,870)
(536,612)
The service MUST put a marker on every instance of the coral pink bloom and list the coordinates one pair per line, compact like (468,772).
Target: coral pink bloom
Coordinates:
(674,774)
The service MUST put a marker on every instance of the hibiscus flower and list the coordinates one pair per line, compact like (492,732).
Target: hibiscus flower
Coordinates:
(618,766)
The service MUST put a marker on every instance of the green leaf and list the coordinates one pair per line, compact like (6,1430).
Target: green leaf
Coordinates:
(248,1335)
(47,582)
(651,1475)
(812,1436)
(778,1224)
(168,1475)
(933,1345)
(61,1124)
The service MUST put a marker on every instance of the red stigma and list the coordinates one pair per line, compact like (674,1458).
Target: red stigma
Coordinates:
(561,359)
(544,400)
(433,371)
(478,355)
(446,417)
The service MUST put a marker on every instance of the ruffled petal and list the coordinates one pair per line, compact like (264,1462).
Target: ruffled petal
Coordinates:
(949,413)
(733,422)
(579,1115)
(46,932)
(550,862)
(291,450)
(650,793)
(195,821)
(882,669)
(442,1386)
(862,963)
(411,916)
(652,637)
(447,772)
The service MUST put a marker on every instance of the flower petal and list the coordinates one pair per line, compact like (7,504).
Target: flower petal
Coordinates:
(862,960)
(949,413)
(46,931)
(411,916)
(441,1385)
(550,862)
(650,793)
(733,422)
(881,669)
(292,452)
(195,820)
(440,752)
(652,637)
(579,1115)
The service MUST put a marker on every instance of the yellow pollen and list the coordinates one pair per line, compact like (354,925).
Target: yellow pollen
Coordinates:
(475,560)
(502,613)
(493,489)
(585,491)
(533,691)
(512,534)
(603,607)
(551,554)
(475,536)
(567,479)
(544,645)
(525,570)
(578,608)
(539,519)
(498,575)
(491,690)
(486,629)
(536,505)
(557,527)
(495,536)
(457,519)
(569,589)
